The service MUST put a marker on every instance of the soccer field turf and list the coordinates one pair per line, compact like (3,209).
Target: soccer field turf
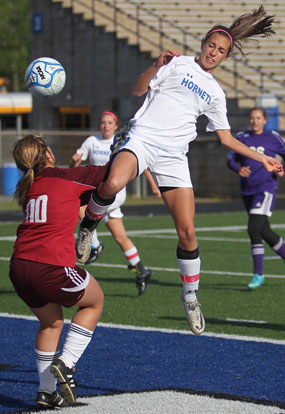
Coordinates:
(227,304)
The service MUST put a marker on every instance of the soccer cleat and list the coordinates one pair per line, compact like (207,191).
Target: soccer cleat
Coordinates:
(84,239)
(83,245)
(194,316)
(64,376)
(53,400)
(143,274)
(95,253)
(256,281)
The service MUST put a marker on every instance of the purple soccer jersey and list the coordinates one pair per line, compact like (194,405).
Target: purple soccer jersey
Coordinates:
(260,180)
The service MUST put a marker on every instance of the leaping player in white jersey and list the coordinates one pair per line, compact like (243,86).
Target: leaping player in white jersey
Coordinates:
(97,148)
(179,89)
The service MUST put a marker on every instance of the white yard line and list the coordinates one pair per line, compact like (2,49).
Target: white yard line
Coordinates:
(172,231)
(173,269)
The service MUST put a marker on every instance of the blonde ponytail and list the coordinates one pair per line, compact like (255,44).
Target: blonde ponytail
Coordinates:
(29,155)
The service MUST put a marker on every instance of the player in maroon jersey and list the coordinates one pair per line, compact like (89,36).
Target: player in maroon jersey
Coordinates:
(43,269)
(258,189)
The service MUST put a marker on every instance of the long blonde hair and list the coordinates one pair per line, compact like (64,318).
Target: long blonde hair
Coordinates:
(246,26)
(30,156)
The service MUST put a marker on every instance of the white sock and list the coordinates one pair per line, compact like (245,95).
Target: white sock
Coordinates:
(132,256)
(76,342)
(95,241)
(190,275)
(47,380)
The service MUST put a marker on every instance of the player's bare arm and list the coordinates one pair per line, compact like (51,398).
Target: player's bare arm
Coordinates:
(142,85)
(269,163)
(75,160)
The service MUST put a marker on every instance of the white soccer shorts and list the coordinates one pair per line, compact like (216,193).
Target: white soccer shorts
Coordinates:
(169,169)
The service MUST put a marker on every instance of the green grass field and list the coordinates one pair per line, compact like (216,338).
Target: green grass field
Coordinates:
(228,306)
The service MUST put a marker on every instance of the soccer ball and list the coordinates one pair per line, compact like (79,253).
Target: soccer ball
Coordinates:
(45,76)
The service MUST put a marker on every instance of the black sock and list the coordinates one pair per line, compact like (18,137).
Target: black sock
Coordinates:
(89,223)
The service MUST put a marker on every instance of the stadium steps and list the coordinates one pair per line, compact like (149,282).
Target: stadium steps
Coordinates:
(195,18)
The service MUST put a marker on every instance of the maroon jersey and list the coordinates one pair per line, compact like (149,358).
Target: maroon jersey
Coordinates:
(51,214)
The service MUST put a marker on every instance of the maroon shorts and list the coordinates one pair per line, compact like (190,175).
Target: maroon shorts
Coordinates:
(38,284)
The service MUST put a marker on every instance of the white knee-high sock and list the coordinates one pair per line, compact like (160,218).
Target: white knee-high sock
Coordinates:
(95,241)
(76,342)
(132,256)
(190,275)
(47,380)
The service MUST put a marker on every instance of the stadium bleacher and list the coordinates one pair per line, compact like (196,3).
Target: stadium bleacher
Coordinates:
(181,25)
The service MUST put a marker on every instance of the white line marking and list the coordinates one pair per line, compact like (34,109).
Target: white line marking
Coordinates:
(170,331)
(244,320)
(158,232)
(173,269)
(166,269)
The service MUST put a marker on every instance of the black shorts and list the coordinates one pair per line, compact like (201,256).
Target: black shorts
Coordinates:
(38,284)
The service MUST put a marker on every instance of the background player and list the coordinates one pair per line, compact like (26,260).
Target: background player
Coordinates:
(97,148)
(258,189)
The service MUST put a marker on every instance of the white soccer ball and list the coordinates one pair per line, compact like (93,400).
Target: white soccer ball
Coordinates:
(45,76)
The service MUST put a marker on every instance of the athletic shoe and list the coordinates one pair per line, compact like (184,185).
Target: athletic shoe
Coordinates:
(256,281)
(194,316)
(53,400)
(95,253)
(143,274)
(83,245)
(64,376)
(84,238)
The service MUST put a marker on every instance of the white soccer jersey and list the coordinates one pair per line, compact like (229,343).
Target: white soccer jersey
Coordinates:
(180,92)
(97,148)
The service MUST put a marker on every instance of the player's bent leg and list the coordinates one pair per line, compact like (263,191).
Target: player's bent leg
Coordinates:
(47,345)
(78,337)
(51,324)
(90,306)
(122,170)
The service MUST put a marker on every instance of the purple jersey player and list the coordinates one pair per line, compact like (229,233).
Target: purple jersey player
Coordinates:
(258,189)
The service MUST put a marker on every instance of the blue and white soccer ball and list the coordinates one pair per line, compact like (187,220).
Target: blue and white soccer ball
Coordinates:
(45,76)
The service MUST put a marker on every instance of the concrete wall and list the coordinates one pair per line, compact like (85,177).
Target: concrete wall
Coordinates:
(100,69)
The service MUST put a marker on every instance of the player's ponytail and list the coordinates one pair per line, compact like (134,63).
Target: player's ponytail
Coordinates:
(255,24)
(250,25)
(30,157)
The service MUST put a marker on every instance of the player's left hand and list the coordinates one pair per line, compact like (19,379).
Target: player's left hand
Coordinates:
(272,165)
(165,57)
